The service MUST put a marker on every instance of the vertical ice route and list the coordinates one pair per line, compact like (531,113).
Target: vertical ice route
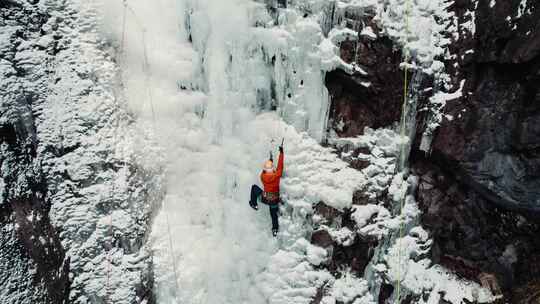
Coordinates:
(223,250)
(220,244)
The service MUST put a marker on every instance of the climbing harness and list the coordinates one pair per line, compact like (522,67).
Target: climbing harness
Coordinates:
(271,196)
(402,149)
(146,69)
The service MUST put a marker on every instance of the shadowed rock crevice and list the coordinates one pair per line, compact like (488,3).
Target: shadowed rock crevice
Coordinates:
(352,255)
(372,99)
(40,242)
(475,239)
(29,238)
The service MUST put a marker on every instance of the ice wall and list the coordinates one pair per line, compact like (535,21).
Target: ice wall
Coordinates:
(277,58)
(201,75)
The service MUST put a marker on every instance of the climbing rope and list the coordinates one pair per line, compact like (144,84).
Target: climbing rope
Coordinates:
(148,85)
(402,149)
(150,97)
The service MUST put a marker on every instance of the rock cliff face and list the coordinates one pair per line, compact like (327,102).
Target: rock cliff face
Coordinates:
(478,188)
(32,266)
(494,137)
(476,238)
(353,107)
(74,210)
(484,163)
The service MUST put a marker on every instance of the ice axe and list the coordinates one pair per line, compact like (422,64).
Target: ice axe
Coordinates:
(270,152)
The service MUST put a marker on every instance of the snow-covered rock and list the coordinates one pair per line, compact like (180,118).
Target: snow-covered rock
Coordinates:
(77,199)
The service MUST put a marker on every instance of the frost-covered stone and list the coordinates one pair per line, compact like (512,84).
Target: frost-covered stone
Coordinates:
(62,117)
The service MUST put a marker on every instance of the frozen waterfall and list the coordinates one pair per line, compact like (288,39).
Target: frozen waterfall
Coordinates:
(226,86)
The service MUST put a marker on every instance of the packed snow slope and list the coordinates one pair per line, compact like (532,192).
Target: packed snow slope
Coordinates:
(220,83)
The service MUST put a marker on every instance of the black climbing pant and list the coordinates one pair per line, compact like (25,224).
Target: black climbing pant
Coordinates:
(256,192)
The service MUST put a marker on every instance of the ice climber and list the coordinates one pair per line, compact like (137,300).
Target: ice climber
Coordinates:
(270,178)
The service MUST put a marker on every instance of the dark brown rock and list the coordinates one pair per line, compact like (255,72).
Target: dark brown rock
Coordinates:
(528,294)
(360,197)
(355,156)
(508,40)
(478,190)
(330,214)
(25,206)
(493,142)
(385,293)
(321,238)
(319,295)
(472,237)
(40,242)
(355,257)
(359,164)
(352,98)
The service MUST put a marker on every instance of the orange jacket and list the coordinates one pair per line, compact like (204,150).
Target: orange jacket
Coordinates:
(271,180)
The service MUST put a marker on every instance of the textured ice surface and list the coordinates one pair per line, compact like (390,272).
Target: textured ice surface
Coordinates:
(216,135)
